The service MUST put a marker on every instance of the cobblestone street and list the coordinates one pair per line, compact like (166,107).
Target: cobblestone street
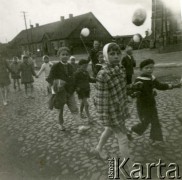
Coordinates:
(33,148)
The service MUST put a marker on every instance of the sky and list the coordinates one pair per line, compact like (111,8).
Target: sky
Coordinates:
(115,15)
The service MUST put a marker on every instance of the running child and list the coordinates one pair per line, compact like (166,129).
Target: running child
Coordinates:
(111,101)
(82,80)
(146,104)
(64,71)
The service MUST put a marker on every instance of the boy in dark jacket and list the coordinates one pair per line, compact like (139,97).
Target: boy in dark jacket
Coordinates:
(64,71)
(82,80)
(129,63)
(146,104)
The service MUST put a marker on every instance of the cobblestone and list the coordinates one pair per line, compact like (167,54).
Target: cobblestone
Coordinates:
(31,143)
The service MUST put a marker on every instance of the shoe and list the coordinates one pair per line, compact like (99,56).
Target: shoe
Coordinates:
(159,144)
(90,121)
(98,154)
(83,116)
(61,127)
(129,134)
(5,103)
(26,97)
(32,97)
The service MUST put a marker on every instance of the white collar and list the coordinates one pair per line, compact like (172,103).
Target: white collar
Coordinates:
(63,63)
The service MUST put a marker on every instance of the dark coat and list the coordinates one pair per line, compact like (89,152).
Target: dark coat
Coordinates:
(147,95)
(4,73)
(93,56)
(66,73)
(82,80)
(27,72)
(128,63)
(15,68)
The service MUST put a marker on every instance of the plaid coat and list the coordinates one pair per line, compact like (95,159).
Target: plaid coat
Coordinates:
(111,97)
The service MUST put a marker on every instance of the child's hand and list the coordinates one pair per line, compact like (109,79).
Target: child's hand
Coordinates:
(177,85)
(170,86)
(137,85)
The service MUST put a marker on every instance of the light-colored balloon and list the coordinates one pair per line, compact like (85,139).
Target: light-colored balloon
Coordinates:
(136,38)
(139,16)
(85,32)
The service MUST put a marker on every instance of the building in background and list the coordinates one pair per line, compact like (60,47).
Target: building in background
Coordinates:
(166,25)
(46,39)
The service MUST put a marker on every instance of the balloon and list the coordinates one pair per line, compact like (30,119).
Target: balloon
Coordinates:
(85,32)
(136,38)
(139,16)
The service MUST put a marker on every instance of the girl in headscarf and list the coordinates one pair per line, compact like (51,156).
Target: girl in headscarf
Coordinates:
(46,68)
(111,100)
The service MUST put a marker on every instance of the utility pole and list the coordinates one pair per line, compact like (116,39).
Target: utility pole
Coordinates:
(24,16)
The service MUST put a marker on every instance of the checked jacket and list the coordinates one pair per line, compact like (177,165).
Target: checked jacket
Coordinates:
(111,96)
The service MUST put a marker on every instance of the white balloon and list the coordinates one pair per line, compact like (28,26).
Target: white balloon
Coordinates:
(85,32)
(136,38)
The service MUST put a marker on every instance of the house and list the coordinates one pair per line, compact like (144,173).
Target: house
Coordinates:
(46,39)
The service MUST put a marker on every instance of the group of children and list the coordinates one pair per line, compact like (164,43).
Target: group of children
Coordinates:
(111,97)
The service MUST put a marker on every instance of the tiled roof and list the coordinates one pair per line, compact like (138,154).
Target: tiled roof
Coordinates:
(53,31)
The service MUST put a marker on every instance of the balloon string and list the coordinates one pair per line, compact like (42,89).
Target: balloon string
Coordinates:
(130,41)
(139,46)
(84,44)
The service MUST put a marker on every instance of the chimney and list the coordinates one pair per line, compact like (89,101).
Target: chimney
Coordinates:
(70,16)
(37,24)
(31,26)
(62,18)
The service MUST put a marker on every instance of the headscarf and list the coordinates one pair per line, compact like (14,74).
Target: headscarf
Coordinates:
(105,52)
(45,56)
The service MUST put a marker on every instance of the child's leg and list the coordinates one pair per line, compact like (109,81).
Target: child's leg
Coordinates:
(86,105)
(5,93)
(81,108)
(31,88)
(123,146)
(156,132)
(14,83)
(143,113)
(72,105)
(26,89)
(103,138)
(47,88)
(60,118)
(18,82)
(2,93)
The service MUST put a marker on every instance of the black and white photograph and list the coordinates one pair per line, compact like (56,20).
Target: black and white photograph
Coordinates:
(90,89)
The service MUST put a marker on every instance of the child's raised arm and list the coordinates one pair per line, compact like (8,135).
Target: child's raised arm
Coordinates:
(41,70)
